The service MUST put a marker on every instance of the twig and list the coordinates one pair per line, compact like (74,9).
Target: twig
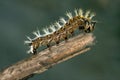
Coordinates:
(46,59)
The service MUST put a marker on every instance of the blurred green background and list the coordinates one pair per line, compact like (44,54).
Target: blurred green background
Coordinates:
(19,18)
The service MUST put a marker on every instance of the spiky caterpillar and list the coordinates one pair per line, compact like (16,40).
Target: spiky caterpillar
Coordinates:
(62,29)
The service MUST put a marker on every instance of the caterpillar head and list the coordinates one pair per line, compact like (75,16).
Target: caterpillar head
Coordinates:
(89,26)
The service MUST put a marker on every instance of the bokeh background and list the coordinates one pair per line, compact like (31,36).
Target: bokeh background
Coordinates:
(19,18)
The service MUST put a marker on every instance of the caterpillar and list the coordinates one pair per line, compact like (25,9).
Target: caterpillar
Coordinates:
(62,29)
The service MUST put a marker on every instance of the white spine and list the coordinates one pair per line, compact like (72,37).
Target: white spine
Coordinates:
(27,42)
(69,15)
(80,12)
(52,28)
(62,20)
(31,50)
(58,25)
(46,31)
(29,38)
(87,14)
(76,12)
(36,34)
(92,15)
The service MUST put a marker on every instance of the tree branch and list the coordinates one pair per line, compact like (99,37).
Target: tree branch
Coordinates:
(46,59)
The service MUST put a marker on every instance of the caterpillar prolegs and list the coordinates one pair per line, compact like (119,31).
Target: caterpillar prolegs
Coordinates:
(62,29)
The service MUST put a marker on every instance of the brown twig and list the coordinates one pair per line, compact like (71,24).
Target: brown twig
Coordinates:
(46,59)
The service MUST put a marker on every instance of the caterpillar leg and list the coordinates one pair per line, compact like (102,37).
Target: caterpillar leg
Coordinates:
(57,42)
(48,46)
(72,33)
(66,39)
(81,28)
(34,51)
